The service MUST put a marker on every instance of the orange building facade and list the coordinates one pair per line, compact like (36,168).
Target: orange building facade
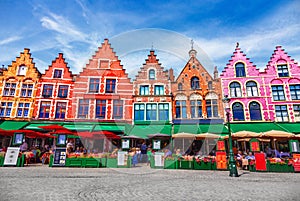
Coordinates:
(54,92)
(18,88)
(102,90)
(196,94)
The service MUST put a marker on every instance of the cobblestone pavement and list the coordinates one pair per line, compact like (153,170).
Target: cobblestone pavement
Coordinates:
(142,183)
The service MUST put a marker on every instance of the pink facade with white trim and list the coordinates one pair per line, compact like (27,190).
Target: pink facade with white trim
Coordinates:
(271,95)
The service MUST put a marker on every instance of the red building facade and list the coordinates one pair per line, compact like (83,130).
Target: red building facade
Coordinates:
(102,89)
(54,92)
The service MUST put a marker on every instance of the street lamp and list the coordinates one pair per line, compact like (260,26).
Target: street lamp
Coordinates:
(232,165)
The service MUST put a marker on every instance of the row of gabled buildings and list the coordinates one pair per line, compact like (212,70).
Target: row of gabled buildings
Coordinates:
(103,92)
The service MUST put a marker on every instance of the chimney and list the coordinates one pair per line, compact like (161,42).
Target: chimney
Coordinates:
(216,73)
(171,75)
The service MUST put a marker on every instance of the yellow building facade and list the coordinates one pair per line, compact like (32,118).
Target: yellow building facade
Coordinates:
(18,86)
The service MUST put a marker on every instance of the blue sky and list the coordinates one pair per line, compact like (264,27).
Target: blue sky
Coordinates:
(76,28)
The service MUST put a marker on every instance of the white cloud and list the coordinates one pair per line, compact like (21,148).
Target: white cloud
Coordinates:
(9,40)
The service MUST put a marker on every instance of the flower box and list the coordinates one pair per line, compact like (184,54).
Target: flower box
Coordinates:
(1,161)
(91,162)
(201,165)
(279,166)
(111,162)
(184,164)
(74,162)
(170,163)
(103,162)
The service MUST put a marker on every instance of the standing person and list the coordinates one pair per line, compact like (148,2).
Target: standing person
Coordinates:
(143,152)
(149,155)
(24,147)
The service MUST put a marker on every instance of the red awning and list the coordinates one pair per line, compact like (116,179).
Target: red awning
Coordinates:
(57,129)
(98,135)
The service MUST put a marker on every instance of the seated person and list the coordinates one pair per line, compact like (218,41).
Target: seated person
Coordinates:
(250,156)
(239,158)
(168,153)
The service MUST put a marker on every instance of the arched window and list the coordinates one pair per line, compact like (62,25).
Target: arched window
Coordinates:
(151,74)
(179,86)
(195,83)
(238,112)
(252,88)
(240,70)
(235,89)
(255,113)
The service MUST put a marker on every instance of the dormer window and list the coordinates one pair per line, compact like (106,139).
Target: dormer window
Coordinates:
(240,70)
(179,86)
(57,73)
(151,74)
(282,70)
(22,70)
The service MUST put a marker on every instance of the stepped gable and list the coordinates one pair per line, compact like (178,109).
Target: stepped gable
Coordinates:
(24,59)
(281,57)
(151,62)
(239,55)
(59,63)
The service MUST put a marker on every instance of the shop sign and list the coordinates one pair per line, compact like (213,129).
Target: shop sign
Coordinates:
(156,144)
(125,143)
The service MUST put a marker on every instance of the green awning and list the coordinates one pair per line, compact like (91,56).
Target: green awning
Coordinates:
(33,126)
(144,130)
(79,127)
(186,128)
(290,127)
(255,127)
(113,128)
(213,128)
(13,125)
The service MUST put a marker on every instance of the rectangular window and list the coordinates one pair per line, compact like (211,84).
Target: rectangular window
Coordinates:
(94,85)
(100,109)
(151,110)
(26,90)
(9,89)
(110,86)
(163,111)
(212,108)
(295,91)
(5,109)
(281,113)
(282,70)
(45,109)
(196,109)
(63,91)
(57,73)
(181,109)
(118,109)
(83,108)
(159,90)
(23,110)
(144,90)
(139,112)
(296,112)
(47,90)
(278,93)
(60,112)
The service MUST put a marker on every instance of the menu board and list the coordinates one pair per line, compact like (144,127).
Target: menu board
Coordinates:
(221,160)
(159,159)
(254,146)
(11,156)
(221,145)
(296,159)
(60,156)
(260,162)
(122,158)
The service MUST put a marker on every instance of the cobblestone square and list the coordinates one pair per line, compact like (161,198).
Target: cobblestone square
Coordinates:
(35,183)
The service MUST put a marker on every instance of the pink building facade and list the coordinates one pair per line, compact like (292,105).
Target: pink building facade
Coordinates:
(271,95)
